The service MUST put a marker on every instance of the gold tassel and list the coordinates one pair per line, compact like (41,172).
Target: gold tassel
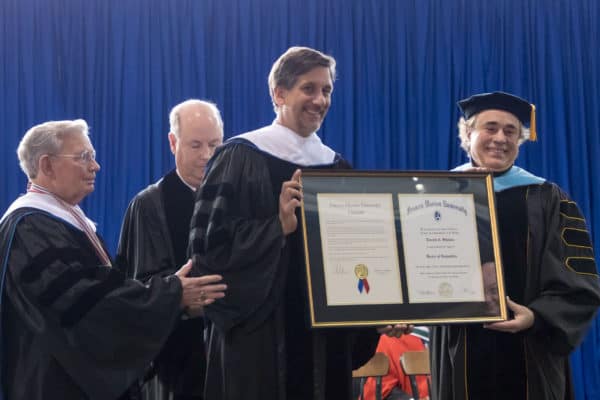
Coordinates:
(532,131)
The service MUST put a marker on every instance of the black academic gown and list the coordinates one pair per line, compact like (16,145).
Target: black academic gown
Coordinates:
(548,266)
(260,345)
(72,329)
(153,242)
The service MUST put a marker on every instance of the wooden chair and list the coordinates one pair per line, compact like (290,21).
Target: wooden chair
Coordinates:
(416,363)
(377,367)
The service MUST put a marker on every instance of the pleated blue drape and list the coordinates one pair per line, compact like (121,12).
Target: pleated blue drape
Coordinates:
(121,65)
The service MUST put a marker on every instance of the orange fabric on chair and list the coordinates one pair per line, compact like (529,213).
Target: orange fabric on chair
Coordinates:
(393,348)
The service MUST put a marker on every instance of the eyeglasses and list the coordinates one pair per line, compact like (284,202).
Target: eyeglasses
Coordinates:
(85,157)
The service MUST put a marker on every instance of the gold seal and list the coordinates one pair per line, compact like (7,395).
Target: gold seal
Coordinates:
(361,271)
(445,289)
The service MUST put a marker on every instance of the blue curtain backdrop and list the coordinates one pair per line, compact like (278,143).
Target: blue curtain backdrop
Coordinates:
(121,65)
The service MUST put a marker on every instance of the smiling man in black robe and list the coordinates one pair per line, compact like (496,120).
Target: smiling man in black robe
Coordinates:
(549,272)
(154,240)
(260,345)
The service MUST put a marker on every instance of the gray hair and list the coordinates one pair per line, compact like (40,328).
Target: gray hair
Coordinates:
(467,126)
(294,62)
(175,111)
(46,138)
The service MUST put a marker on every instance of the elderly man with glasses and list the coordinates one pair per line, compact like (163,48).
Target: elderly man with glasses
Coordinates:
(72,326)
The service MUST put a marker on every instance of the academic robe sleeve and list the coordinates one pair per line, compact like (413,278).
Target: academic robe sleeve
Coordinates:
(236,232)
(144,247)
(101,328)
(442,347)
(568,293)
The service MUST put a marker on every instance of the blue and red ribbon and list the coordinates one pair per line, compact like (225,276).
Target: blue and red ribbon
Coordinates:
(363,283)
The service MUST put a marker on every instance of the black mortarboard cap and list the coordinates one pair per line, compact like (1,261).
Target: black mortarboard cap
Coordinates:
(515,105)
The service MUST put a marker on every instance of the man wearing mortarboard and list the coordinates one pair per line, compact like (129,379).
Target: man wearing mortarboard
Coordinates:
(549,271)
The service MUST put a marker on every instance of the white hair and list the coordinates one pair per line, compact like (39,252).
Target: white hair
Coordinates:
(175,111)
(46,138)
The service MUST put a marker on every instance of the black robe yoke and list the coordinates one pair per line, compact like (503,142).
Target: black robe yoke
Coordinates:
(260,344)
(555,276)
(153,242)
(72,329)
(144,248)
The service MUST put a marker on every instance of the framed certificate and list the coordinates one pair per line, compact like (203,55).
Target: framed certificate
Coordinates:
(401,247)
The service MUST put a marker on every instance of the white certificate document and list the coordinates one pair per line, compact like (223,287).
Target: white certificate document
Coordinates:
(441,249)
(360,251)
